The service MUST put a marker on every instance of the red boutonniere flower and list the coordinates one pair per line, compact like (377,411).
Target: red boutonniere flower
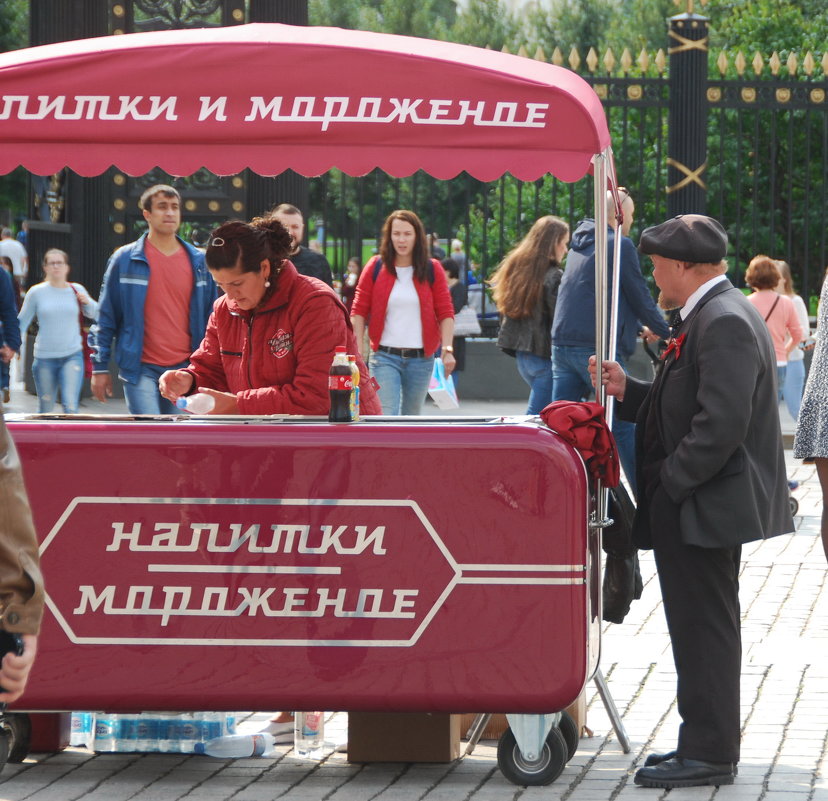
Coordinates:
(674,345)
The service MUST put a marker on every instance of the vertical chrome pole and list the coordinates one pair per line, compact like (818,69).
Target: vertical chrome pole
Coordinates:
(600,200)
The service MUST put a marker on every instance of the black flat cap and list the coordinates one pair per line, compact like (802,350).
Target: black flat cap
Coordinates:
(688,237)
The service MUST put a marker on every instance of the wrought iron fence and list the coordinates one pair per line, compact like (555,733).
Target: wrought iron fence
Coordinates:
(765,176)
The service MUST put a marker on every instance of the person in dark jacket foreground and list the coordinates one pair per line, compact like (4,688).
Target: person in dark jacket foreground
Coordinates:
(711,476)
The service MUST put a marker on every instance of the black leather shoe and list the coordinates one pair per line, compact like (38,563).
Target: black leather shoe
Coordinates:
(680,772)
(657,759)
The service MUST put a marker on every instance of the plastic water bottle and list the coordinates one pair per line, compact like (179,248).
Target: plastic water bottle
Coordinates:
(190,732)
(355,391)
(148,725)
(237,746)
(106,730)
(212,726)
(83,729)
(309,733)
(126,734)
(169,733)
(200,403)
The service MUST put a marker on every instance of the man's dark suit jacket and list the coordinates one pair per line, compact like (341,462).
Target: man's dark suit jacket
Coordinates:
(717,418)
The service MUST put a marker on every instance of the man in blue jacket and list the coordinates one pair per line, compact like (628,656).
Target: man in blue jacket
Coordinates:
(155,301)
(573,329)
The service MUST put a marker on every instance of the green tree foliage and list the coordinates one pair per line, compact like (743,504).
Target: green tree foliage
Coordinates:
(486,23)
(567,24)
(429,19)
(769,25)
(14,25)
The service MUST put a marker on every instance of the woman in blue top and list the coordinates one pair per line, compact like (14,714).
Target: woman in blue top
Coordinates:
(58,349)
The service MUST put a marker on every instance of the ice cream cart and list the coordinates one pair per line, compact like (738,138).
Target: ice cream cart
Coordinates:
(392,564)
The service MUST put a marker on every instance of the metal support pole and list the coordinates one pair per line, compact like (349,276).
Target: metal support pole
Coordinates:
(612,711)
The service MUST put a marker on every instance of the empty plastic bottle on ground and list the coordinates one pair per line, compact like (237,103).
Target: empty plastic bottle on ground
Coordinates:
(309,733)
(237,746)
(200,403)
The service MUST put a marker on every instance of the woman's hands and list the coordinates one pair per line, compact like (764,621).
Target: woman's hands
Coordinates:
(226,402)
(449,361)
(175,383)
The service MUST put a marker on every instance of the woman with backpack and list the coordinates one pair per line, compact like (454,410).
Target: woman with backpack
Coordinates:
(404,297)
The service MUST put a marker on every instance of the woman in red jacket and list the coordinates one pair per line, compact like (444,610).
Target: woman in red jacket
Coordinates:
(270,339)
(407,303)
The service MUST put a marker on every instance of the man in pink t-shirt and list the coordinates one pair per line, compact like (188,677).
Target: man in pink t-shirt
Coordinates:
(155,301)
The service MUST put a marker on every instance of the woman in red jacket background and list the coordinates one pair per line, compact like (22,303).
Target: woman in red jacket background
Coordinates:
(271,337)
(406,301)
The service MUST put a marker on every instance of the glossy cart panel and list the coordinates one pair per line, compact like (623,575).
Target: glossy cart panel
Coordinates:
(259,564)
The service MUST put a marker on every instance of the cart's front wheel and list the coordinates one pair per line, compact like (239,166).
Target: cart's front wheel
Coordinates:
(5,742)
(20,727)
(537,772)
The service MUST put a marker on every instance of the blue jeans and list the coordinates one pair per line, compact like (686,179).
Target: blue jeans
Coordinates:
(403,381)
(571,381)
(793,385)
(144,397)
(537,373)
(51,375)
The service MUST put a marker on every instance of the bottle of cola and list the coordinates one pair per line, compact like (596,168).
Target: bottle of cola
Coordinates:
(340,385)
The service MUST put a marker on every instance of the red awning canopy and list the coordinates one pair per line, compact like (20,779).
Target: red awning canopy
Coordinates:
(272,97)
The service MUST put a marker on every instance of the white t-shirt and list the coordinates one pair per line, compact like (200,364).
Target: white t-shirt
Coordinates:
(403,324)
(17,253)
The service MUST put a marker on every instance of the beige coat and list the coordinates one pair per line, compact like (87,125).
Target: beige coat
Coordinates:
(21,583)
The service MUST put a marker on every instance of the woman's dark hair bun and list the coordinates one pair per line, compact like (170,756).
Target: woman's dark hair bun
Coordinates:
(249,243)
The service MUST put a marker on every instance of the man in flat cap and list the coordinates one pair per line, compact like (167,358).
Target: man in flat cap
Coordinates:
(711,476)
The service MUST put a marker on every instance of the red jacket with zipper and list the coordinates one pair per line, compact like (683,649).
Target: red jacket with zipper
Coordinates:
(371,302)
(276,359)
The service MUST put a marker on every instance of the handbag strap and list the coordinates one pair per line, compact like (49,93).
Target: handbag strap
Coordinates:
(772,308)
(80,307)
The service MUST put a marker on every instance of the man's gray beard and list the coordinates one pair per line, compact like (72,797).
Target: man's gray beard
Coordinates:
(666,303)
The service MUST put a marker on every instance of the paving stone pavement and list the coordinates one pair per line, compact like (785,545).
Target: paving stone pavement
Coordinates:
(784,708)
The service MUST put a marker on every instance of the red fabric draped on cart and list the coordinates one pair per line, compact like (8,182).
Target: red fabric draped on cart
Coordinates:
(584,427)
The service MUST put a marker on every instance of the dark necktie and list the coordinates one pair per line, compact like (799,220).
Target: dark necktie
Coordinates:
(674,319)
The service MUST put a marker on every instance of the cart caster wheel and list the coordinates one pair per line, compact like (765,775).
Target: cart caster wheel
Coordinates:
(5,740)
(571,735)
(536,773)
(794,505)
(20,737)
